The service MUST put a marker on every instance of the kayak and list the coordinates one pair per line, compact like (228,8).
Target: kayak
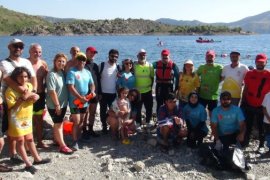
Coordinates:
(206,41)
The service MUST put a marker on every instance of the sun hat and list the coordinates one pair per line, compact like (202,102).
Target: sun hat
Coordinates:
(188,61)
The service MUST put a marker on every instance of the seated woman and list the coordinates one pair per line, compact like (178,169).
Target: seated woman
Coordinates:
(170,124)
(195,116)
(113,121)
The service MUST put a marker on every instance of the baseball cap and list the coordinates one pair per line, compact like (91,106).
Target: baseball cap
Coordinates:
(225,94)
(142,51)
(81,56)
(188,61)
(165,52)
(235,53)
(210,52)
(261,58)
(92,49)
(15,41)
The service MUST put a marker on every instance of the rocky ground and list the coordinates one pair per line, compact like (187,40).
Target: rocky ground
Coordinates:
(103,158)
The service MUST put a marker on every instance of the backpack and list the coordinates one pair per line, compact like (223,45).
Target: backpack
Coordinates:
(102,67)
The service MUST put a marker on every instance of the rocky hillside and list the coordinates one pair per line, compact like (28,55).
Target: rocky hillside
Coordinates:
(13,23)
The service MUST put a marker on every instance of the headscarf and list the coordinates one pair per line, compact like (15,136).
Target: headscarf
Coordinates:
(191,104)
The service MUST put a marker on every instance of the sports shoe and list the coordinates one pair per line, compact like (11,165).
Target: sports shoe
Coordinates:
(30,169)
(75,146)
(261,150)
(15,159)
(126,141)
(43,161)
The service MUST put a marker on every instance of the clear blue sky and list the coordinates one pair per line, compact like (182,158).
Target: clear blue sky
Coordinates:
(202,10)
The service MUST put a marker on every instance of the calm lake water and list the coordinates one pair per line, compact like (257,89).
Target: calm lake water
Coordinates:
(181,47)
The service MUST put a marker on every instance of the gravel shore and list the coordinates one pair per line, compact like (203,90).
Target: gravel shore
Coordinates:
(103,158)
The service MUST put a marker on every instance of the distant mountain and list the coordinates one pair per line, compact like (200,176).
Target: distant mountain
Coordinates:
(180,22)
(259,23)
(56,20)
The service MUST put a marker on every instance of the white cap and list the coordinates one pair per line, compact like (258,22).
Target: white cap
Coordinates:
(141,51)
(15,41)
(189,61)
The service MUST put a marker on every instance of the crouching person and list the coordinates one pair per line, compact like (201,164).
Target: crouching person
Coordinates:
(227,123)
(170,124)
(195,116)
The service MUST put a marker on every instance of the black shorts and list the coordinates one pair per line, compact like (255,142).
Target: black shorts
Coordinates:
(78,110)
(40,103)
(211,104)
(57,118)
(94,100)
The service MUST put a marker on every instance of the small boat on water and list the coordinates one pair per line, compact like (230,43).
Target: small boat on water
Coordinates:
(201,40)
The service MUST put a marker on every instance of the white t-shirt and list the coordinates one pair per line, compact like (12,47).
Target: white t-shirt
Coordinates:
(233,79)
(7,67)
(266,104)
(108,78)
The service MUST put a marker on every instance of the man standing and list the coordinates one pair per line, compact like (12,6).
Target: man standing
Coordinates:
(80,83)
(233,76)
(257,84)
(41,70)
(90,114)
(144,76)
(227,123)
(108,76)
(166,72)
(7,65)
(72,62)
(210,75)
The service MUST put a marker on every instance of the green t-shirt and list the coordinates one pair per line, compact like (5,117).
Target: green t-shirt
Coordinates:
(210,78)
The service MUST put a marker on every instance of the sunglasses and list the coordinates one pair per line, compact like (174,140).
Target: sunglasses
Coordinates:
(114,56)
(16,46)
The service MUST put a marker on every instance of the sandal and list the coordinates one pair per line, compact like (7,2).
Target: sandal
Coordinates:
(4,168)
(65,150)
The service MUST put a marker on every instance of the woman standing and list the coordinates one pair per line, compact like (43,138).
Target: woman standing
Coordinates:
(57,99)
(127,78)
(188,82)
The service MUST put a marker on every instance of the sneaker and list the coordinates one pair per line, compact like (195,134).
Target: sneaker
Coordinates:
(43,161)
(15,159)
(261,150)
(126,141)
(30,169)
(75,146)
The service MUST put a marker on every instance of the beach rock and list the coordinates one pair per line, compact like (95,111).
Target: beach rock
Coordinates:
(108,167)
(250,176)
(139,166)
(108,156)
(75,156)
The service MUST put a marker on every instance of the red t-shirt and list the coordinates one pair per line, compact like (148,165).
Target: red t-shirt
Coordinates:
(256,89)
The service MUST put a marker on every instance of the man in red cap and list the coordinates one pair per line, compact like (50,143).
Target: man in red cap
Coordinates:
(257,84)
(167,73)
(210,75)
(90,114)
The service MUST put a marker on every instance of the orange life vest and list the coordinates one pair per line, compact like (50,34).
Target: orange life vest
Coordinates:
(166,75)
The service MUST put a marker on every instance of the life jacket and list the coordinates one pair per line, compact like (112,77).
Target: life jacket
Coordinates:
(165,76)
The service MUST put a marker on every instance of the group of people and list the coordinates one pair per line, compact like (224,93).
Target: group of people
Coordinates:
(27,86)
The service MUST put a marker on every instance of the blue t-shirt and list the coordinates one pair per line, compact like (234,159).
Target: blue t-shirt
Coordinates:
(227,120)
(81,81)
(195,115)
(126,80)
